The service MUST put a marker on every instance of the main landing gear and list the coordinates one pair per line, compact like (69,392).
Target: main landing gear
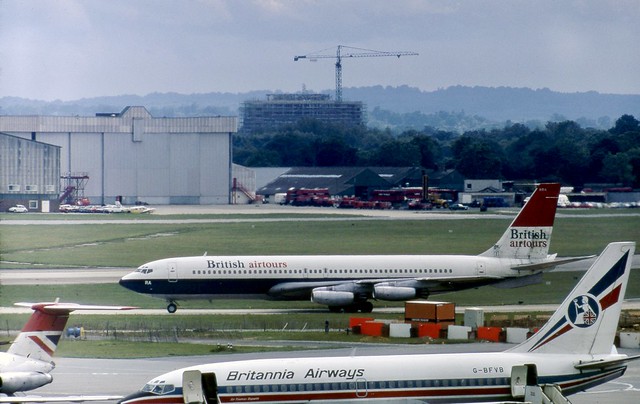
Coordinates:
(172,307)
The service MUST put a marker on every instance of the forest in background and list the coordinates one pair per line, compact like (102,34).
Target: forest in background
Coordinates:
(559,151)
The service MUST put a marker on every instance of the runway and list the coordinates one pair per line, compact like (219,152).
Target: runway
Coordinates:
(125,376)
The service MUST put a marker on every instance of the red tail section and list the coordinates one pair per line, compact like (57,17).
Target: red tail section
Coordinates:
(540,210)
(529,235)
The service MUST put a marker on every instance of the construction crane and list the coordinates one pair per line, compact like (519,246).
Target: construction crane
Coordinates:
(349,52)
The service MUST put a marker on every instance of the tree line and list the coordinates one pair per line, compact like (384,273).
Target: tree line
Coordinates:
(560,151)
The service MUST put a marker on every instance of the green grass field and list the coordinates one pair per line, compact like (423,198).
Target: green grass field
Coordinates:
(131,244)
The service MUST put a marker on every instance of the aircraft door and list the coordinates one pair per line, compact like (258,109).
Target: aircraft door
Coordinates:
(521,377)
(361,388)
(172,268)
(192,392)
(199,388)
(480,268)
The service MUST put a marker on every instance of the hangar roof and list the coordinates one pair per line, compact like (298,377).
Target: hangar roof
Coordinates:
(345,180)
(131,119)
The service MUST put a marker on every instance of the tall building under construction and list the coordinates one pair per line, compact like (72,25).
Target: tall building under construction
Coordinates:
(286,109)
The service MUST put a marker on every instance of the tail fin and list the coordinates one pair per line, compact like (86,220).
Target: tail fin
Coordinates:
(529,235)
(586,322)
(40,335)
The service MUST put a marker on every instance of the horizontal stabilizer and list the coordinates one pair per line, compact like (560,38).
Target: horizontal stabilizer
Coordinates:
(604,363)
(519,281)
(539,266)
(57,307)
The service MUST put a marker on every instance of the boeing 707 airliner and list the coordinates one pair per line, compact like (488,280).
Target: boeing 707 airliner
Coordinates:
(347,282)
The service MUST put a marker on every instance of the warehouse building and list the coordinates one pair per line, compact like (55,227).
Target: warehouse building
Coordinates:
(133,156)
(287,109)
(29,174)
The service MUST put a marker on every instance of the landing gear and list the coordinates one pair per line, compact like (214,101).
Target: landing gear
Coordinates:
(172,307)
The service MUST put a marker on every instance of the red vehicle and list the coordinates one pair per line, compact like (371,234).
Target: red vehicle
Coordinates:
(309,197)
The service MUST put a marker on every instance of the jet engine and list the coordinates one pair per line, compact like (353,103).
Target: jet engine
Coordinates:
(332,297)
(11,382)
(399,290)
(394,293)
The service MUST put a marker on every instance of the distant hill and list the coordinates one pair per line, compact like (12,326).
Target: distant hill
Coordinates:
(415,108)
(499,103)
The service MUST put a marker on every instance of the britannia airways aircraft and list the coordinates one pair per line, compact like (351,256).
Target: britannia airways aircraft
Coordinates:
(347,282)
(28,362)
(572,352)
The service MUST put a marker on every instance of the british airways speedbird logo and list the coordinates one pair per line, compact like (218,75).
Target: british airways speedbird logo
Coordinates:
(583,312)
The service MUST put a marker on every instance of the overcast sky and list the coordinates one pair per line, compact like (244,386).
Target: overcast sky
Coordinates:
(70,49)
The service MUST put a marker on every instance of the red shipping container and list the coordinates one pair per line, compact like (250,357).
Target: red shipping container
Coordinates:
(373,328)
(354,321)
(489,333)
(431,330)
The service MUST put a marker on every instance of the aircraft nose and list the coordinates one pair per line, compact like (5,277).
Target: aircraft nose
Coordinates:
(126,283)
(136,397)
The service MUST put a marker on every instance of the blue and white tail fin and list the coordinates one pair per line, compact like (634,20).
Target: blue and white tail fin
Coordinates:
(586,322)
(529,235)
(40,335)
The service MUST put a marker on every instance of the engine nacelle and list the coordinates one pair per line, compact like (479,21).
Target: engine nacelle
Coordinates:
(332,297)
(394,293)
(11,382)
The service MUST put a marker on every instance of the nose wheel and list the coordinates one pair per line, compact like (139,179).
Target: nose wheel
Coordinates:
(172,307)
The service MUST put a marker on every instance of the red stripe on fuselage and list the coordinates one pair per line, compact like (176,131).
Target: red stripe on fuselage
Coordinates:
(466,392)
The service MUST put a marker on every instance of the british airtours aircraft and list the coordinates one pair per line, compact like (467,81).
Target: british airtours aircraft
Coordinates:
(347,282)
(28,363)
(572,352)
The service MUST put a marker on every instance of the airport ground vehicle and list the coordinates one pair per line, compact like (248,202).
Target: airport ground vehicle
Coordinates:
(18,209)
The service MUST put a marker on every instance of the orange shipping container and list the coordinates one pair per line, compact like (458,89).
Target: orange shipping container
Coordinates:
(431,330)
(374,329)
(493,334)
(429,311)
(354,321)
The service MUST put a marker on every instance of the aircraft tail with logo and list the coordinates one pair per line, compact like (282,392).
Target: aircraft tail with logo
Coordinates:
(529,235)
(39,337)
(586,322)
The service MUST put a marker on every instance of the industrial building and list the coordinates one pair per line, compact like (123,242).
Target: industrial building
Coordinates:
(287,109)
(29,174)
(359,181)
(130,156)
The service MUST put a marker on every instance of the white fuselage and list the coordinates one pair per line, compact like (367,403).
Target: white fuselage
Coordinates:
(399,378)
(295,276)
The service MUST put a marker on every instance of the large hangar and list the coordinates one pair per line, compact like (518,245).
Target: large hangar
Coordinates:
(138,157)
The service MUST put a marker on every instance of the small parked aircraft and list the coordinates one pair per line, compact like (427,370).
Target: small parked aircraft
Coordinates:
(347,282)
(28,363)
(572,352)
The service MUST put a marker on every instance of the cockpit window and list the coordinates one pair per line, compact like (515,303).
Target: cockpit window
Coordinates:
(144,270)
(158,388)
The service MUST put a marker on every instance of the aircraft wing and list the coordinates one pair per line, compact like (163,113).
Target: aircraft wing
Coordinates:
(56,399)
(549,264)
(290,288)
